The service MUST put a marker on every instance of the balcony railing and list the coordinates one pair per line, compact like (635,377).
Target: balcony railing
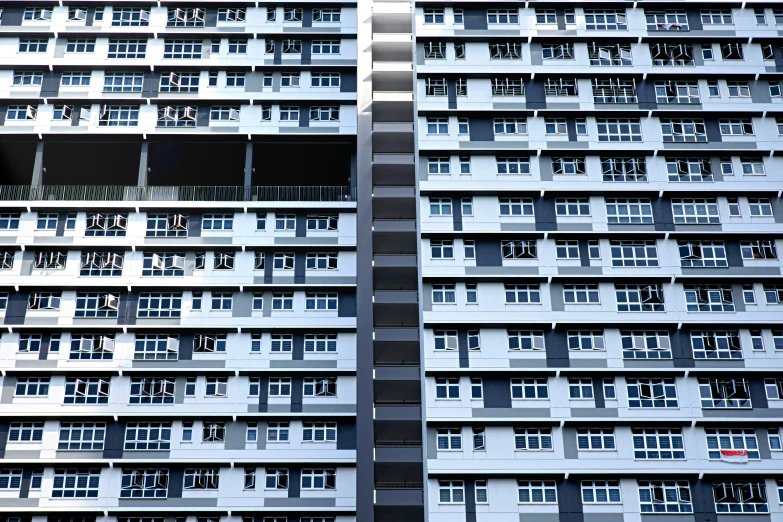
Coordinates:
(174,193)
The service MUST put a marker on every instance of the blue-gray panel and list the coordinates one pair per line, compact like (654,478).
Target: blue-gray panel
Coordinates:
(186,343)
(694,20)
(645,92)
(90,17)
(296,394)
(294,482)
(482,129)
(300,264)
(488,253)
(151,85)
(263,395)
(347,82)
(561,21)
(301,225)
(346,435)
(598,393)
(16,308)
(307,18)
(307,51)
(451,94)
(297,351)
(712,128)
(3,111)
(475,18)
(470,501)
(456,216)
(50,84)
(571,129)
(278,58)
(269,259)
(12,15)
(569,497)
(733,253)
(546,219)
(176,482)
(584,253)
(556,344)
(43,353)
(4,426)
(24,489)
(662,214)
(346,304)
(535,97)
(497,393)
(114,440)
(61,219)
(304,116)
(462,346)
(202,116)
(194,225)
(128,308)
(682,351)
(758,395)
(210,17)
(703,501)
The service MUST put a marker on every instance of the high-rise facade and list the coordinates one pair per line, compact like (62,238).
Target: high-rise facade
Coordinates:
(391,260)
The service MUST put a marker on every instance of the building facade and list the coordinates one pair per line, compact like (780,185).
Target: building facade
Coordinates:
(391,260)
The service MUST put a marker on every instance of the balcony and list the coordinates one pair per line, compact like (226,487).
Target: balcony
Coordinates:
(314,193)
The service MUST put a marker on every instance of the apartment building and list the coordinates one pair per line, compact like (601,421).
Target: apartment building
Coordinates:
(391,260)
(601,224)
(178,261)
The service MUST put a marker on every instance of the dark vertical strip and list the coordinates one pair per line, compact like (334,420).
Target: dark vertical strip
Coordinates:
(307,52)
(114,440)
(703,501)
(90,16)
(16,308)
(263,395)
(269,260)
(346,304)
(43,353)
(694,20)
(24,489)
(456,214)
(733,253)
(176,482)
(682,351)
(470,501)
(758,395)
(584,253)
(186,345)
(569,498)
(488,252)
(571,129)
(462,344)
(294,482)
(4,427)
(346,435)
(475,19)
(211,17)
(546,218)
(561,21)
(481,129)
(300,264)
(451,91)
(304,116)
(598,393)
(194,225)
(301,225)
(556,344)
(278,57)
(297,353)
(296,394)
(497,393)
(307,17)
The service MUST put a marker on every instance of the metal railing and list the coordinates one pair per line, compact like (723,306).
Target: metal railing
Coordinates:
(399,485)
(175,193)
(398,444)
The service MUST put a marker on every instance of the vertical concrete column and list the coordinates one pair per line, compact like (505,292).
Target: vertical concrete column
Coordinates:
(143,164)
(37,179)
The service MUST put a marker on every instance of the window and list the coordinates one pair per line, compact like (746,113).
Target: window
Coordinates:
(665,496)
(92,347)
(672,55)
(613,54)
(695,211)
(45,301)
(449,439)
(459,48)
(325,79)
(182,49)
(323,46)
(279,386)
(27,78)
(253,390)
(160,304)
(529,388)
(734,208)
(508,87)
(515,207)
(72,79)
(775,443)
(442,249)
(320,301)
(567,248)
(217,386)
(52,260)
(479,439)
(451,492)
(32,386)
(101,264)
(724,393)
(223,113)
(209,343)
(775,92)
(736,127)
(148,436)
(522,294)
(510,126)
(446,388)
(122,82)
(21,112)
(774,388)
(202,478)
(731,51)
(752,166)
(601,491)
(236,46)
(702,254)
(445,339)
(81,45)
(463,126)
(502,16)
(572,207)
(144,483)
(33,45)
(434,49)
(167,225)
(614,90)
(276,478)
(525,340)
(658,443)
(124,48)
(505,51)
(162,264)
(318,479)
(536,492)
(681,130)
(619,129)
(440,206)
(646,345)
(564,51)
(677,91)
(25,432)
(689,169)
(319,387)
(605,20)
(720,439)
(580,388)
(652,393)
(476,388)
(581,294)
(746,497)
(231,14)
(629,211)
(709,298)
(282,343)
(760,207)
(152,390)
(518,249)
(326,15)
(470,247)
(634,253)
(533,439)
(568,165)
(213,431)
(586,340)
(595,439)
(119,116)
(329,113)
(437,125)
(92,390)
(560,87)
(458,16)
(75,483)
(759,249)
(127,17)
(283,301)
(37,14)
(277,432)
(319,432)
